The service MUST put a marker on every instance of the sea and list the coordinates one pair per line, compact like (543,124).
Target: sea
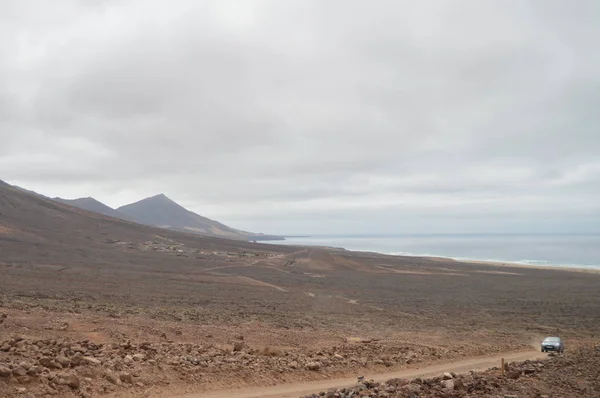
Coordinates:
(564,250)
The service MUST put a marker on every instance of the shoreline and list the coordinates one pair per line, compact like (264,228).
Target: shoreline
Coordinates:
(492,263)
(508,264)
(504,264)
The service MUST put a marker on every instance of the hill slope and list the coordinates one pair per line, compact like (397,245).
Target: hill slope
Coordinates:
(92,204)
(163,212)
(32,225)
(157,211)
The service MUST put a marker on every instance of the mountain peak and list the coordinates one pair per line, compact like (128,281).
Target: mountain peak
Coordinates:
(159,210)
(160,196)
(160,199)
(91,204)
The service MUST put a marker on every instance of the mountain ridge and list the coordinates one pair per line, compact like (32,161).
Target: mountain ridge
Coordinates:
(158,211)
(94,205)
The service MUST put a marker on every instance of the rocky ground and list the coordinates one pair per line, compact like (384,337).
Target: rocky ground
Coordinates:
(47,359)
(574,374)
(97,306)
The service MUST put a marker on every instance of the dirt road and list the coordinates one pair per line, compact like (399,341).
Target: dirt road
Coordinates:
(296,390)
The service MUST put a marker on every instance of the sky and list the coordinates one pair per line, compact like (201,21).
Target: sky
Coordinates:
(308,117)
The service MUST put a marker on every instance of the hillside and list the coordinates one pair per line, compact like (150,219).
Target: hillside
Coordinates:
(163,212)
(158,211)
(92,204)
(32,225)
(128,308)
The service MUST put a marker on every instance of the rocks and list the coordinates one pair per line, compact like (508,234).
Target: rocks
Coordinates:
(126,378)
(238,346)
(126,364)
(113,378)
(19,371)
(90,361)
(488,384)
(3,317)
(448,384)
(5,372)
(138,357)
(513,375)
(50,363)
(70,380)
(64,361)
(34,371)
(128,360)
(313,366)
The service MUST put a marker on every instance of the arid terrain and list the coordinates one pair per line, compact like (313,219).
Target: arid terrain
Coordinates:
(95,306)
(572,375)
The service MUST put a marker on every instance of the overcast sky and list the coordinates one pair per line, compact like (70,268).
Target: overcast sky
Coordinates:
(312,116)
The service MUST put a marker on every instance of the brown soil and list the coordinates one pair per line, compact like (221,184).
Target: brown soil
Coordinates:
(294,390)
(575,374)
(96,306)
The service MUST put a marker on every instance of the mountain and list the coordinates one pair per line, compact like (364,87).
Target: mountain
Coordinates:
(44,235)
(158,211)
(92,204)
(163,212)
(26,190)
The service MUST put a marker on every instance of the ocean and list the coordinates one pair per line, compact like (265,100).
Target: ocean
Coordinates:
(577,250)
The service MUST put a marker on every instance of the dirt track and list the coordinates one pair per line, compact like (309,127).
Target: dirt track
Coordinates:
(300,389)
(77,284)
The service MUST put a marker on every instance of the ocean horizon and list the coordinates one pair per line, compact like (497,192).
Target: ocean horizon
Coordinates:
(550,249)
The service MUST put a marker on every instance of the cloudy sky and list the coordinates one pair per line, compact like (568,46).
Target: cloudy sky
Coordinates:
(312,116)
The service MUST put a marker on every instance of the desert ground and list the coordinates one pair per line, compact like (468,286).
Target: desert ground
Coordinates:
(93,306)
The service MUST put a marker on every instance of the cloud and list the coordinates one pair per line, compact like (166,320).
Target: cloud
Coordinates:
(267,110)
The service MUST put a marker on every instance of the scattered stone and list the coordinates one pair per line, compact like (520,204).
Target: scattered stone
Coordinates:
(19,371)
(70,380)
(314,366)
(238,346)
(111,377)
(5,372)
(126,378)
(448,384)
(91,361)
(513,375)
(64,361)
(34,371)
